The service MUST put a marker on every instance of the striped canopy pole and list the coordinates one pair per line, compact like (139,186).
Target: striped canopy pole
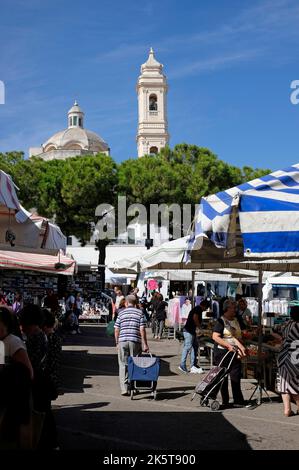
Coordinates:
(260,387)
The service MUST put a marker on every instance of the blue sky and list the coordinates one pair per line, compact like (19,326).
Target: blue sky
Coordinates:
(229,66)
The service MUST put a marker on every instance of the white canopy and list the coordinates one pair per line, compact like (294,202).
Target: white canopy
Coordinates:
(126,265)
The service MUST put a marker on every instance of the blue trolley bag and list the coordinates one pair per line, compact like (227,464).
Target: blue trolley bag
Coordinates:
(143,373)
(144,368)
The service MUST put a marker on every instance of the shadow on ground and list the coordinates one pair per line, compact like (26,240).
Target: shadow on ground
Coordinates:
(127,430)
(79,365)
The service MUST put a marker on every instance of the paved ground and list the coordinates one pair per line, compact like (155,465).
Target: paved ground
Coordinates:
(91,414)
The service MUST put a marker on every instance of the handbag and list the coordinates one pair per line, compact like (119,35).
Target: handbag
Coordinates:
(110,328)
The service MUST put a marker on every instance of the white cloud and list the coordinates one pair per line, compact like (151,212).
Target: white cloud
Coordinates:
(213,63)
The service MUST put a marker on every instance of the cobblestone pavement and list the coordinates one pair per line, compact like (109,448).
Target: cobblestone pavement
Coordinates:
(91,414)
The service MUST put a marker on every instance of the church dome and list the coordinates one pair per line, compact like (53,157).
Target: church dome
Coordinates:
(75,137)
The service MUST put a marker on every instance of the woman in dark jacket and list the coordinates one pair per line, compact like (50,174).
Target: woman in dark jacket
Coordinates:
(161,315)
(32,321)
(152,308)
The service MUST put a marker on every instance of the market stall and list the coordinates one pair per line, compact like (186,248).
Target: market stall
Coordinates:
(22,231)
(257,220)
(32,274)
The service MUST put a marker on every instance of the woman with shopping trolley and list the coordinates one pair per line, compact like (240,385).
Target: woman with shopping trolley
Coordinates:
(227,335)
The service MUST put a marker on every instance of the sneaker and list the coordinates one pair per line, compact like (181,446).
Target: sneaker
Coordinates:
(196,370)
(124,394)
(74,332)
(79,331)
(183,369)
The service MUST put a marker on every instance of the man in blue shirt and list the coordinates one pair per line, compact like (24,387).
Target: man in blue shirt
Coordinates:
(190,338)
(130,336)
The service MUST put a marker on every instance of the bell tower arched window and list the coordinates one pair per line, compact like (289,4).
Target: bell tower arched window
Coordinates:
(153,150)
(153,103)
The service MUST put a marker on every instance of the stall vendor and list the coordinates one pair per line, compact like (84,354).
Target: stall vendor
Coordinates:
(244,312)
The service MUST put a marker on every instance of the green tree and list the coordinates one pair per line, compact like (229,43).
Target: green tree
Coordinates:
(9,160)
(249,173)
(87,182)
(180,175)
(67,191)
(70,190)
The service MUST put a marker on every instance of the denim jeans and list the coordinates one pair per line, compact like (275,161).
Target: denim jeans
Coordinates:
(190,346)
(159,327)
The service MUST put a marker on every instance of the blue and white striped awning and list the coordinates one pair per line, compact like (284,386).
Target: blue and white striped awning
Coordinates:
(261,217)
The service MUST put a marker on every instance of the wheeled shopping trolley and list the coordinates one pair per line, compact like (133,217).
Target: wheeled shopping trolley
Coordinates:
(143,374)
(209,387)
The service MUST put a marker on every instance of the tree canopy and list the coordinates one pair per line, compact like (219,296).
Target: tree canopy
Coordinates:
(183,175)
(70,190)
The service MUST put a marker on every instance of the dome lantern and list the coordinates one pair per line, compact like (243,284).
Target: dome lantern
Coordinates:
(75,116)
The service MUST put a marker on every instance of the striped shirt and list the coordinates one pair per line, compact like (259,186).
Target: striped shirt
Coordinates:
(129,322)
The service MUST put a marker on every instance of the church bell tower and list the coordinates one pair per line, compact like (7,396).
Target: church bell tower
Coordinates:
(152,108)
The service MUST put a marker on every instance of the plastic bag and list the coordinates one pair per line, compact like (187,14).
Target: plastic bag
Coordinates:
(267,291)
(110,328)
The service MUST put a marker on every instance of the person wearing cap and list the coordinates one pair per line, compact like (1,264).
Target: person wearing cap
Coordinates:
(130,338)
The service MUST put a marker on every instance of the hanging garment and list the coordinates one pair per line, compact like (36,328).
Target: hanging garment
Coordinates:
(152,284)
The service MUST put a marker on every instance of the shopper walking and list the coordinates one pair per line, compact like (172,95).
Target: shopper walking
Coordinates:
(121,307)
(190,338)
(31,320)
(161,315)
(130,338)
(52,365)
(17,304)
(288,363)
(71,321)
(78,309)
(153,309)
(227,335)
(16,376)
(51,301)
